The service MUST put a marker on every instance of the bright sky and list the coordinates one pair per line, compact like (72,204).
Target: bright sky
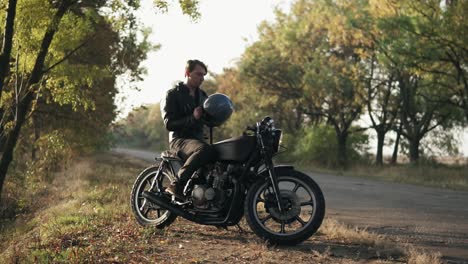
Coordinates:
(218,39)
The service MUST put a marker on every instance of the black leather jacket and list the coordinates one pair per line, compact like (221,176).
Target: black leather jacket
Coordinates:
(177,113)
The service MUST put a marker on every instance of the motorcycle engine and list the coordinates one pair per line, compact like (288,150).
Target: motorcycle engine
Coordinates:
(206,197)
(201,194)
(211,194)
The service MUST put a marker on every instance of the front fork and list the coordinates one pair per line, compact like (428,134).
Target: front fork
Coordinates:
(271,169)
(274,182)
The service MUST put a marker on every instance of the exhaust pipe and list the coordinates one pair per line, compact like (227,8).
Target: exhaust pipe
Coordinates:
(161,201)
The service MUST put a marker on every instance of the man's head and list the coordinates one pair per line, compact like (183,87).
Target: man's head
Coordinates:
(195,72)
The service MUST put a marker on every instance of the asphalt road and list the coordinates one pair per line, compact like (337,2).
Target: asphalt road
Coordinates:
(435,219)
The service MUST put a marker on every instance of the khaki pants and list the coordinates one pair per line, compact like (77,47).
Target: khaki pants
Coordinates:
(197,154)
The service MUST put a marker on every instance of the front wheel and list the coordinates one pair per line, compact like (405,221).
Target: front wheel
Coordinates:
(146,213)
(303,208)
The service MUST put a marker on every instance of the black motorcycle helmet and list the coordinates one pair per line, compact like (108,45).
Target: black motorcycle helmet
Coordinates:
(217,109)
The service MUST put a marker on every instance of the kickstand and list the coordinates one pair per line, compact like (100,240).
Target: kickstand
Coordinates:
(240,229)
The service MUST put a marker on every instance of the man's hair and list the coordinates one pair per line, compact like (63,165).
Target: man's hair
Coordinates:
(192,63)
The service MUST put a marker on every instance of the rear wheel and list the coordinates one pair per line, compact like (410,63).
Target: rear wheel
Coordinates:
(147,213)
(303,208)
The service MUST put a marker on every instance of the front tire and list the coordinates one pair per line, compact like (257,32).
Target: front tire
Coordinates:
(303,203)
(147,213)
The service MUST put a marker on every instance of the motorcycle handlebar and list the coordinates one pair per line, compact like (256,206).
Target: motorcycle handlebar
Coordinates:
(251,128)
(267,122)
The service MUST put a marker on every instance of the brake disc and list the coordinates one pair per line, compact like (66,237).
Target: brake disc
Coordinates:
(291,206)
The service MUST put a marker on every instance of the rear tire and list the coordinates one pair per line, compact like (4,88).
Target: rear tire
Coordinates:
(303,202)
(147,213)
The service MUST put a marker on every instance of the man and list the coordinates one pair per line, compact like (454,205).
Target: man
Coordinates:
(182,115)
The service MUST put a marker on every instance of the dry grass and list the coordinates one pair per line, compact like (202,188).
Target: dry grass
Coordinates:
(418,256)
(336,230)
(386,247)
(451,177)
(85,218)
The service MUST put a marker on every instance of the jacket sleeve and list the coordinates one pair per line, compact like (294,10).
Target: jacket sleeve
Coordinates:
(172,119)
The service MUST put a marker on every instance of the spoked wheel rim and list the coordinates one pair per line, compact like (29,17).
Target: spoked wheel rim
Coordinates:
(298,200)
(145,209)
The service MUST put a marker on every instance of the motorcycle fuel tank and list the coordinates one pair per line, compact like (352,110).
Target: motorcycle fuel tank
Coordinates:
(235,149)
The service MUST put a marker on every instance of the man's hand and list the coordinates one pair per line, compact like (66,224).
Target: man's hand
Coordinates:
(197,112)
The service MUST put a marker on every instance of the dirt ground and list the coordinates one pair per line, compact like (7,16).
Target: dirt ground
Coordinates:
(185,242)
(435,219)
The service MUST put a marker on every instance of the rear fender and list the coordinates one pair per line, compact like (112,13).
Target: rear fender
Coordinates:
(157,167)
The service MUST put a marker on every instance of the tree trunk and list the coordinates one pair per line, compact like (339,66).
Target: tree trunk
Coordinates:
(414,150)
(298,120)
(12,138)
(465,99)
(380,144)
(342,157)
(5,54)
(24,105)
(395,148)
(37,135)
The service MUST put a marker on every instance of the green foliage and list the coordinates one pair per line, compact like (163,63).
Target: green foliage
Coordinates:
(77,89)
(333,59)
(422,53)
(311,62)
(252,105)
(69,106)
(143,128)
(29,177)
(318,145)
(189,7)
(54,150)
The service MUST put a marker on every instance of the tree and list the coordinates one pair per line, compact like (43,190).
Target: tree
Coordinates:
(142,128)
(439,30)
(12,127)
(380,94)
(251,105)
(50,75)
(382,105)
(7,43)
(310,57)
(420,112)
(413,57)
(406,42)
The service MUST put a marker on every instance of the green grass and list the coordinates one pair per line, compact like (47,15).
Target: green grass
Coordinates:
(79,203)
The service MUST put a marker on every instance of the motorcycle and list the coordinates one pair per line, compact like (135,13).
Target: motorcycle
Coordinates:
(281,204)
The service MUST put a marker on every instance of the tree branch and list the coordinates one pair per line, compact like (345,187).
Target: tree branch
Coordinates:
(68,55)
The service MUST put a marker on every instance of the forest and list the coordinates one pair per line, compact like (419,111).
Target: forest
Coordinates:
(59,65)
(335,73)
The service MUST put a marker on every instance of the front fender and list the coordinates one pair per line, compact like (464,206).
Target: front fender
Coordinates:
(278,169)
